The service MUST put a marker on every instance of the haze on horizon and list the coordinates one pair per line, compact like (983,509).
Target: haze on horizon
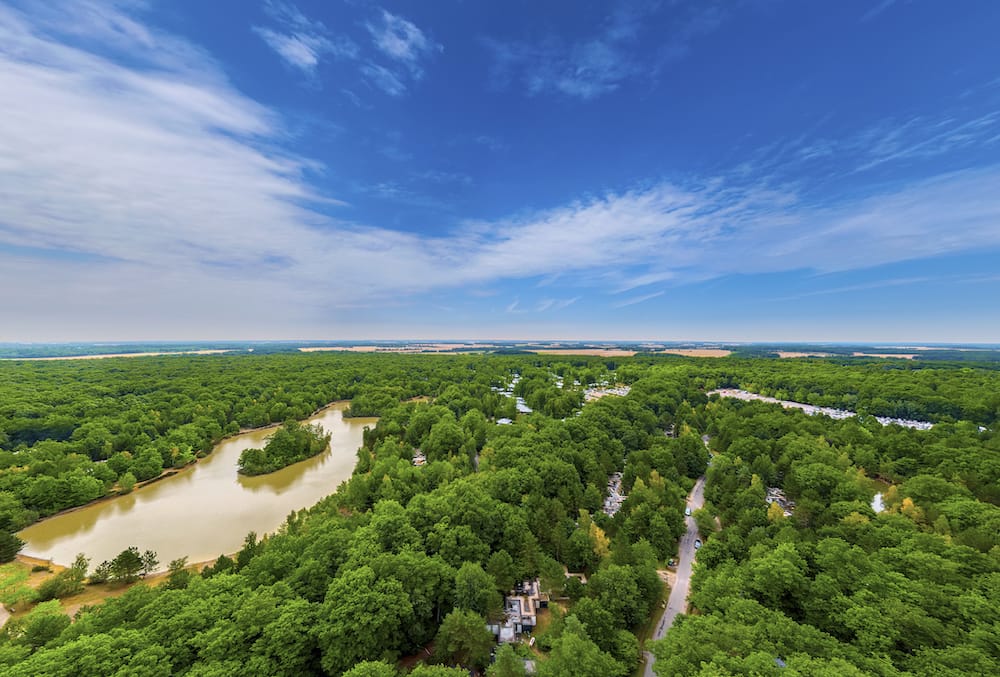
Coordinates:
(761,171)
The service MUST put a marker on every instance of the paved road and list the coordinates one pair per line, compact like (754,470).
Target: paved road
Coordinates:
(677,602)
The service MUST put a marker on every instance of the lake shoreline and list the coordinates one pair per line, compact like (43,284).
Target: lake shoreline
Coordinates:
(93,593)
(174,472)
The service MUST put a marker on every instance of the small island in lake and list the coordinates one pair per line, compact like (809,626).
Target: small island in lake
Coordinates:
(291,443)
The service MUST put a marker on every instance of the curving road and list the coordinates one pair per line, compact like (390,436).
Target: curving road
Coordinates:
(677,602)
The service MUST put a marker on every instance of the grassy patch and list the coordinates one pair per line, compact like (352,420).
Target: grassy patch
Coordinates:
(14,588)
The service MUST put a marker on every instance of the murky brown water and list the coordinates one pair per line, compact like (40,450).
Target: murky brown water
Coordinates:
(207,509)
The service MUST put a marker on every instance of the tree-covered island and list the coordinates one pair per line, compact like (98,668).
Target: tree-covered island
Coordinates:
(291,443)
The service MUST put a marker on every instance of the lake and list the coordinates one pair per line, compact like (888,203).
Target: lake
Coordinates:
(206,509)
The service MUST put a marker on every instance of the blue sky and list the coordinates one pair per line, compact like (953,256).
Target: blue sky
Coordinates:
(331,169)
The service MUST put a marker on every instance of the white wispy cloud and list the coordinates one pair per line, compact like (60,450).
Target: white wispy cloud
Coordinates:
(155,198)
(585,71)
(354,98)
(923,138)
(405,45)
(300,41)
(643,280)
(865,286)
(383,78)
(877,9)
(601,64)
(490,142)
(161,172)
(304,43)
(715,228)
(444,177)
(639,299)
(555,304)
(400,40)
(302,51)
(889,141)
(702,18)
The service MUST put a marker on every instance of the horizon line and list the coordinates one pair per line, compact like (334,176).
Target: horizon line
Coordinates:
(886,343)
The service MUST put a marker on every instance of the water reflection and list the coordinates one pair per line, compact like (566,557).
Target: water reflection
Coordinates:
(206,509)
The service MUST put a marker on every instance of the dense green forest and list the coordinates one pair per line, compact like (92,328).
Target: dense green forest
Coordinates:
(404,557)
(291,443)
(836,588)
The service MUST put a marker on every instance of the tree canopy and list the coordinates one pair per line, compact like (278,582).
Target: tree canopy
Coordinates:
(402,555)
(291,443)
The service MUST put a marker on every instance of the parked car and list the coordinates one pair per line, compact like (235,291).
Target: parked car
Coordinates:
(697,544)
(687,511)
